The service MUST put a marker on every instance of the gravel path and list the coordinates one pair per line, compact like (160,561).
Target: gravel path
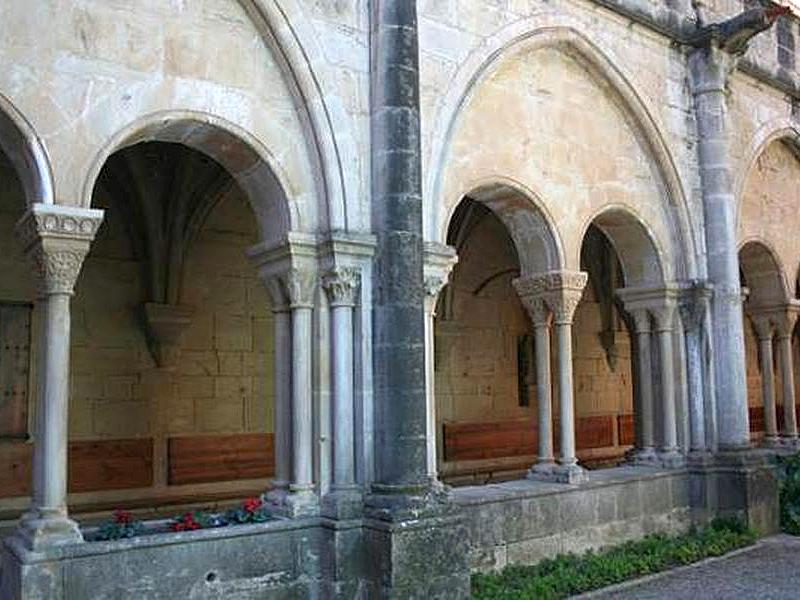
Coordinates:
(769,570)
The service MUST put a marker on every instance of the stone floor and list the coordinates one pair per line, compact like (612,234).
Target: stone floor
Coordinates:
(769,570)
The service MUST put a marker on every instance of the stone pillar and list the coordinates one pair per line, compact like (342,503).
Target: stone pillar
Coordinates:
(57,240)
(565,291)
(414,534)
(645,454)
(784,325)
(709,70)
(439,263)
(342,286)
(693,309)
(282,317)
(300,285)
(668,454)
(763,326)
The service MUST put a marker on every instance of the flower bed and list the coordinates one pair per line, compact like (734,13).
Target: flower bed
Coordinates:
(569,574)
(124,525)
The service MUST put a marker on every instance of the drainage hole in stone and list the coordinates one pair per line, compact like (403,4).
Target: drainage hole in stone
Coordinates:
(211,577)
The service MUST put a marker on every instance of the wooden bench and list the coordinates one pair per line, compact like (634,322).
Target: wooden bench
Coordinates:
(209,458)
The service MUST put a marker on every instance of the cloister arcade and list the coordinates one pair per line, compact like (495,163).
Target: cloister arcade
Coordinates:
(529,263)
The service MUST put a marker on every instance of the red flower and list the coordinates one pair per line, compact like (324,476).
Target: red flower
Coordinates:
(123,517)
(186,523)
(251,505)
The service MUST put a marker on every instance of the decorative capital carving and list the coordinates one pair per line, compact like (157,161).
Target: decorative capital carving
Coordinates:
(664,316)
(299,285)
(277,293)
(560,290)
(693,304)
(641,320)
(57,239)
(784,319)
(342,285)
(537,310)
(763,325)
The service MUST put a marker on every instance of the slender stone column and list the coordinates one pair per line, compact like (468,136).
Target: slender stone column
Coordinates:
(300,286)
(57,240)
(709,68)
(530,292)
(693,309)
(567,289)
(668,454)
(433,285)
(763,327)
(342,285)
(784,324)
(283,388)
(646,453)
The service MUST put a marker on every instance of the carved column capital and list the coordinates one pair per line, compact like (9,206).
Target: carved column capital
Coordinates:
(693,305)
(342,285)
(664,316)
(560,291)
(57,239)
(641,320)
(763,325)
(300,285)
(784,319)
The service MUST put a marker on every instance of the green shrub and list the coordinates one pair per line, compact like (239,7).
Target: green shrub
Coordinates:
(789,485)
(568,574)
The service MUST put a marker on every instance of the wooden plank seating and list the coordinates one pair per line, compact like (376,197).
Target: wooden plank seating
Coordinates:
(110,464)
(209,458)
(479,451)
(15,468)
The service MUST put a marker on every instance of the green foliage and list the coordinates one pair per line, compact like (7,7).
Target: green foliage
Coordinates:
(122,525)
(789,484)
(569,574)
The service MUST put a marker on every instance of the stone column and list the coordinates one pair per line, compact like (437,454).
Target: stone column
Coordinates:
(693,309)
(433,285)
(300,285)
(283,389)
(342,286)
(668,454)
(784,325)
(763,327)
(566,289)
(57,240)
(641,320)
(709,70)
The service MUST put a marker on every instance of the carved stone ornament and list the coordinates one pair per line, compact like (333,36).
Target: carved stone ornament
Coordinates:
(57,240)
(537,310)
(165,324)
(693,304)
(342,285)
(299,285)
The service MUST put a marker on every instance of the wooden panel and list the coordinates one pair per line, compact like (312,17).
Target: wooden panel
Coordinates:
(474,441)
(627,430)
(203,459)
(756,414)
(594,432)
(15,336)
(15,469)
(110,465)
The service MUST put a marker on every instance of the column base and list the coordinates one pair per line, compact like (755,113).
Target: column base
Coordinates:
(699,459)
(37,531)
(543,471)
(571,473)
(790,441)
(771,441)
(671,459)
(343,503)
(297,504)
(644,457)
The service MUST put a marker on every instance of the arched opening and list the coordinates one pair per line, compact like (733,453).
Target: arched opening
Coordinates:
(21,183)
(765,297)
(484,371)
(631,390)
(172,349)
(602,358)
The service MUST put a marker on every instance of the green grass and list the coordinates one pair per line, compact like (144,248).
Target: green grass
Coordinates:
(570,574)
(789,483)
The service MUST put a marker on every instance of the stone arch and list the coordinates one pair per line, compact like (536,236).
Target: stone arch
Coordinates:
(251,165)
(25,150)
(535,237)
(772,131)
(639,253)
(763,275)
(550,31)
(297,51)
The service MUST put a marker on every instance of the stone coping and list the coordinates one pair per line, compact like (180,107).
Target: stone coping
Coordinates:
(164,538)
(531,488)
